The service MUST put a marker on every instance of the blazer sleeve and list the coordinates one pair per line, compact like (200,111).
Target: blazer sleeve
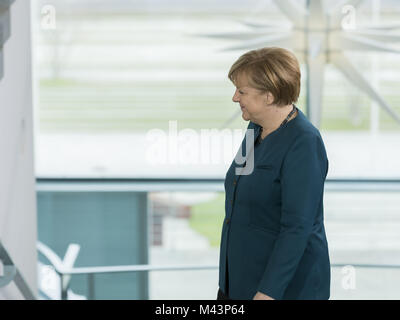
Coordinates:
(303,175)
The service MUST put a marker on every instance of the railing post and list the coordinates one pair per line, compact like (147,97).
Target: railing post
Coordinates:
(91,287)
(64,289)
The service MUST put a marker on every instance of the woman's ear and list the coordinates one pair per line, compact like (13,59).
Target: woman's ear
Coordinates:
(269,98)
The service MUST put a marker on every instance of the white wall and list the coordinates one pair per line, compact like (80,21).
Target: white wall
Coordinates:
(17,183)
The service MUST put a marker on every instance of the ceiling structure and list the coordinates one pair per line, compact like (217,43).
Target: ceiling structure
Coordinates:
(321,36)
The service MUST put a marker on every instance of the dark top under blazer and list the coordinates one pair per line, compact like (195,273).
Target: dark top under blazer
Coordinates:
(273,237)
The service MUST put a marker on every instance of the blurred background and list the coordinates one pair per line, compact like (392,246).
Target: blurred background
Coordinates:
(106,73)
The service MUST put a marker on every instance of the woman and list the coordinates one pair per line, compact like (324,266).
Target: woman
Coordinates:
(273,243)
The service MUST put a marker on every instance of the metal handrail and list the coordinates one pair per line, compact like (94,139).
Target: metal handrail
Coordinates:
(366,265)
(61,269)
(67,271)
(136,268)
(148,267)
(12,273)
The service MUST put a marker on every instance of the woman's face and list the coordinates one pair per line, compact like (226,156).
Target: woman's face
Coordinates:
(252,101)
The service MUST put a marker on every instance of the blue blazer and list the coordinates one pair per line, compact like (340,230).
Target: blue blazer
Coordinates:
(273,237)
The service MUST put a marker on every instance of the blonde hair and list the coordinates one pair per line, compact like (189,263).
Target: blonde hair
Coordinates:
(274,70)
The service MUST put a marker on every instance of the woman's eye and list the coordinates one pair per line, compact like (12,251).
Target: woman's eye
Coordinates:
(241,92)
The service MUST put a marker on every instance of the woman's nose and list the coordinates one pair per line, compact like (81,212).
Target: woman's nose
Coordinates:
(235,97)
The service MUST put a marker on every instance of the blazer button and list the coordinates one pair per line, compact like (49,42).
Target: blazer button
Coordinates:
(228,220)
(234,182)
(231,201)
